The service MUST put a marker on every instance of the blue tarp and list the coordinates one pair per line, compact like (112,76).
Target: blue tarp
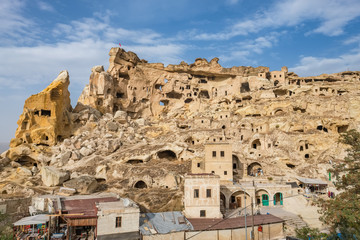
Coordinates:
(163,222)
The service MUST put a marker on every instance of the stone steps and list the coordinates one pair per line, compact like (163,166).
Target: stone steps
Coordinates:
(290,219)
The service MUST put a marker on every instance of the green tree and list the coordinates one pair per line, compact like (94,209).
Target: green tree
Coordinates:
(313,233)
(343,212)
(5,228)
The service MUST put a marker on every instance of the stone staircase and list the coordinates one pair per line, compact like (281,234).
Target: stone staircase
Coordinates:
(290,219)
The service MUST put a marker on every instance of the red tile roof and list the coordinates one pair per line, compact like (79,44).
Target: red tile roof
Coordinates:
(201,224)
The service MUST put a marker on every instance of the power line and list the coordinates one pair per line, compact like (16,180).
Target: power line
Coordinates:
(235,212)
(218,222)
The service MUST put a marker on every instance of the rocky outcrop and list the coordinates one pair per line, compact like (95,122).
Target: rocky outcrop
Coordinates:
(52,176)
(138,126)
(83,184)
(46,116)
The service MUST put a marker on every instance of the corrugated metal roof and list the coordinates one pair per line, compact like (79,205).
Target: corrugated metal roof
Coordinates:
(311,181)
(37,219)
(85,206)
(163,222)
(201,224)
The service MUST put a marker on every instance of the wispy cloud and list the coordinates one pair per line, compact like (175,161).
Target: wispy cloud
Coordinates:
(232,2)
(82,44)
(353,39)
(13,25)
(310,66)
(244,50)
(332,16)
(45,6)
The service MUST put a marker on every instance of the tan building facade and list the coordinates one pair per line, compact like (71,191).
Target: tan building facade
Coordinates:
(118,220)
(218,160)
(202,196)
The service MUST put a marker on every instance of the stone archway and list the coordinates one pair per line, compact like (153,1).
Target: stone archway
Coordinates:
(256,144)
(262,198)
(222,203)
(255,169)
(238,168)
(278,199)
(237,199)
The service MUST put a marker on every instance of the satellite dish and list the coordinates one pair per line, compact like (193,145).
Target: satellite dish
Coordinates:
(126,202)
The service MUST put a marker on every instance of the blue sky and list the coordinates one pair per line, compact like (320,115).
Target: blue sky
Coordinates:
(40,38)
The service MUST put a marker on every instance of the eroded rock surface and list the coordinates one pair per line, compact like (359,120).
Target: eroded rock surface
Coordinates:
(138,126)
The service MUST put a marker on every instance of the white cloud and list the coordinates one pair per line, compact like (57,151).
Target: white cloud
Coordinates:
(331,15)
(243,50)
(45,6)
(232,2)
(353,39)
(14,25)
(311,66)
(82,44)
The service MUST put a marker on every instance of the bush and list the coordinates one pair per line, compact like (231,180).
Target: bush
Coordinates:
(313,233)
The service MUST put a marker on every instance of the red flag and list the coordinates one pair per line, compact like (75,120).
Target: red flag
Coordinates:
(119,44)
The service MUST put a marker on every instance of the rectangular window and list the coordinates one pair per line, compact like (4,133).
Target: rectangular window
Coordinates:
(196,193)
(202,213)
(222,153)
(214,153)
(118,222)
(208,193)
(225,172)
(198,165)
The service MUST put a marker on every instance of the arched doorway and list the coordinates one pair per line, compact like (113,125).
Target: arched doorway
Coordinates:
(256,144)
(262,198)
(278,199)
(238,169)
(237,199)
(222,203)
(255,169)
(140,184)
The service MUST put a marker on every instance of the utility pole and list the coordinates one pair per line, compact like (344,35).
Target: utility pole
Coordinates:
(245,216)
(252,215)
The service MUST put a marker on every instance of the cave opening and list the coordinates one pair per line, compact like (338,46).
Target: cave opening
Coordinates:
(140,184)
(168,154)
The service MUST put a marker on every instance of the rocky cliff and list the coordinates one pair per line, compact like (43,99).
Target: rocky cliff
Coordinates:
(137,127)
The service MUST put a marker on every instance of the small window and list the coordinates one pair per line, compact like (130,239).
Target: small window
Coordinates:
(196,193)
(225,172)
(202,213)
(214,153)
(198,165)
(212,172)
(222,153)
(208,193)
(118,222)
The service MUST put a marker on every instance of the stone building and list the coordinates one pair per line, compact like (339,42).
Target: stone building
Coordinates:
(118,220)
(218,160)
(202,196)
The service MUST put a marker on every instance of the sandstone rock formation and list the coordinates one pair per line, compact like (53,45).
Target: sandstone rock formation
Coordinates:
(51,176)
(46,116)
(138,126)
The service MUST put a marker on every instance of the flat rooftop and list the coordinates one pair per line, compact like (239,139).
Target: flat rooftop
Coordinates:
(203,224)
